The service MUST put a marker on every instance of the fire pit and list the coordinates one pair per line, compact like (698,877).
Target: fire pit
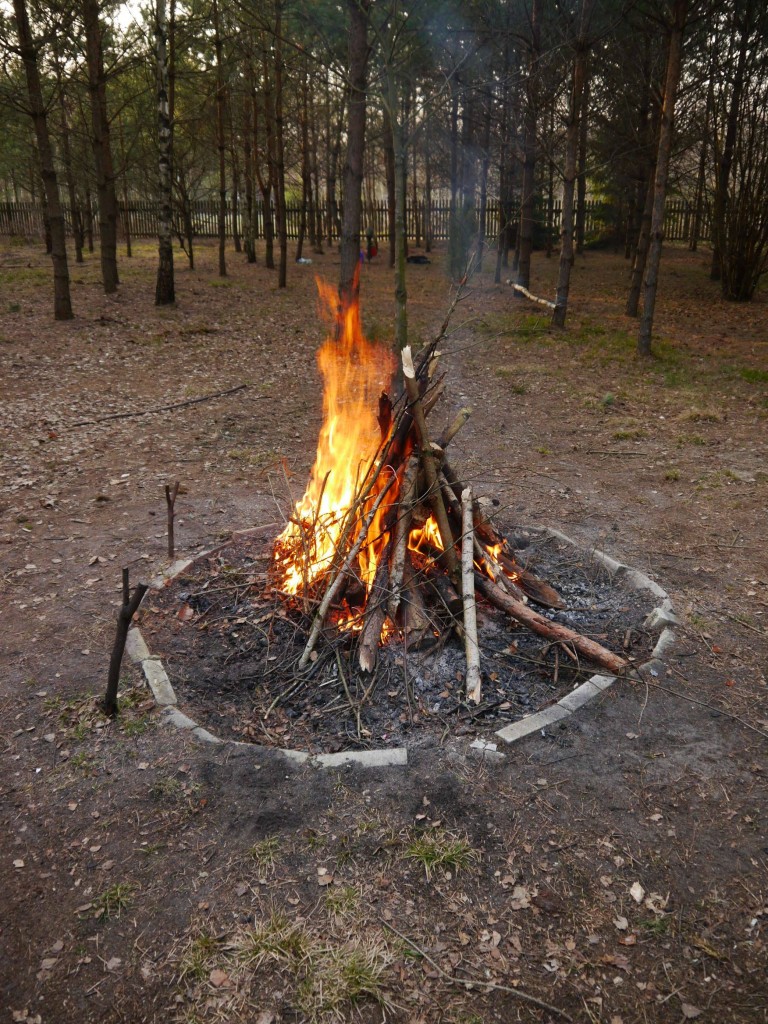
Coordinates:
(391,609)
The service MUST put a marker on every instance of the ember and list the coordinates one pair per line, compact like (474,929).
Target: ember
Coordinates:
(386,541)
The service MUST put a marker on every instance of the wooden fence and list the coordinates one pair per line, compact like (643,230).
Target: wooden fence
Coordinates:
(602,220)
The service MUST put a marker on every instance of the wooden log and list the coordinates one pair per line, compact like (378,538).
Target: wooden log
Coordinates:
(590,649)
(375,614)
(450,432)
(335,583)
(435,494)
(529,295)
(499,576)
(416,618)
(471,647)
(442,590)
(401,533)
(537,590)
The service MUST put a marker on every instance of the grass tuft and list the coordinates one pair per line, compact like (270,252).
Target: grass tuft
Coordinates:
(113,901)
(275,940)
(344,977)
(441,849)
(264,853)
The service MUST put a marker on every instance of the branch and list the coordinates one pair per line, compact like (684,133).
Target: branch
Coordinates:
(162,408)
(490,986)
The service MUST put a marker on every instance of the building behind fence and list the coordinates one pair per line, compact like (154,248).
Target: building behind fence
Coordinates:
(603,221)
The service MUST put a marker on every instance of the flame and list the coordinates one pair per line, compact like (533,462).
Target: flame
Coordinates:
(354,372)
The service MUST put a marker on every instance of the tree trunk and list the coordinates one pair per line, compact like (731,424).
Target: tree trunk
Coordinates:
(234,156)
(125,219)
(427,200)
(165,292)
(267,184)
(649,125)
(306,175)
(389,167)
(353,167)
(66,156)
(571,158)
(220,140)
(248,157)
(674,65)
(400,157)
(581,179)
(62,304)
(282,215)
(102,149)
(485,162)
(528,202)
(724,162)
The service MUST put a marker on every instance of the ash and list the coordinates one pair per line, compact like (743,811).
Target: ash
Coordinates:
(231,647)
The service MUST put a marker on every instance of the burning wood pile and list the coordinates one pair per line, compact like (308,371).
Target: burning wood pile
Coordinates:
(386,541)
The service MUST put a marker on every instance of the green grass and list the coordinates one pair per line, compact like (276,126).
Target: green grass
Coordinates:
(343,977)
(342,902)
(264,853)
(113,901)
(275,940)
(753,376)
(199,957)
(438,848)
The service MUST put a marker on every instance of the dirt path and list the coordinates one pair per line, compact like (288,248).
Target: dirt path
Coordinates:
(135,863)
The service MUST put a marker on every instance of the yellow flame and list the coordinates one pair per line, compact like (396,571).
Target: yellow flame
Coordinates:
(355,371)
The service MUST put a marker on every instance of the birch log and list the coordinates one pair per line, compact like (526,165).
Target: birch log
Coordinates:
(468,597)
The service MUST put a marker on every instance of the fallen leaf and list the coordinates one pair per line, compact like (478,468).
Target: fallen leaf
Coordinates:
(18,864)
(49,963)
(616,960)
(690,1011)
(113,963)
(628,940)
(637,892)
(219,978)
(521,898)
(621,923)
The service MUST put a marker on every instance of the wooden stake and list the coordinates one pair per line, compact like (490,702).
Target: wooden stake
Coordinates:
(170,500)
(127,611)
(468,597)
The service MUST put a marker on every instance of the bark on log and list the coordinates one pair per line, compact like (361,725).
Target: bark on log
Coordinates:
(551,630)
(471,646)
(375,614)
(428,462)
(402,531)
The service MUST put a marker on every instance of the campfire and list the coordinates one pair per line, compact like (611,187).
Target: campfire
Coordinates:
(387,544)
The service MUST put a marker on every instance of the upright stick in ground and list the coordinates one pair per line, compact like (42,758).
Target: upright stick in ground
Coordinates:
(128,609)
(171,493)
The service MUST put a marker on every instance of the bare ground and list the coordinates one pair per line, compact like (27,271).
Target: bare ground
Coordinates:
(146,877)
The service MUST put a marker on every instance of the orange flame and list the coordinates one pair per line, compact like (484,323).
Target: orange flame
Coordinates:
(354,371)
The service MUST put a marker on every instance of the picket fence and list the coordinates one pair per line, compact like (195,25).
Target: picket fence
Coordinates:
(602,220)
